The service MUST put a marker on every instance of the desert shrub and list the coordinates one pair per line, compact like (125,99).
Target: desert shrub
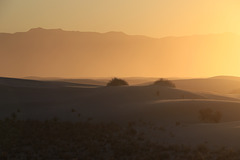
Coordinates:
(164,82)
(178,123)
(117,82)
(208,115)
(14,115)
(29,139)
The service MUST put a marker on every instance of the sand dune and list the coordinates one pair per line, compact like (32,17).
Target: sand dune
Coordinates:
(166,115)
(221,85)
(14,82)
(209,85)
(108,101)
(218,84)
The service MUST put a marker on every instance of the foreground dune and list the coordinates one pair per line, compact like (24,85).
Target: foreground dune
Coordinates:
(165,115)
(45,100)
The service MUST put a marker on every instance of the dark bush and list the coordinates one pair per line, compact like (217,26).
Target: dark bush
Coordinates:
(207,115)
(117,82)
(164,82)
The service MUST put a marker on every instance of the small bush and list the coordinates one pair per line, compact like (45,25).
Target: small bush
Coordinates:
(117,82)
(178,123)
(164,82)
(14,115)
(208,115)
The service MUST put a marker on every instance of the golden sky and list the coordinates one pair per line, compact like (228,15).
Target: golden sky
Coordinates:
(192,56)
(156,18)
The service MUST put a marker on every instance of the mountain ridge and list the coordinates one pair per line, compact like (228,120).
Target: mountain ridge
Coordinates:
(59,53)
(40,29)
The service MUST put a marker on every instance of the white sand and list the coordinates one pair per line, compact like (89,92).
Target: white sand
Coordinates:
(160,106)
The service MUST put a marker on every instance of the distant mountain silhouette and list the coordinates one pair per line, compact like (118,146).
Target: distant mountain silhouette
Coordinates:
(226,78)
(59,53)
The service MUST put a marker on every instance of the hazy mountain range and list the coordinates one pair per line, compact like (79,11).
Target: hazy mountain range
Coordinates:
(58,53)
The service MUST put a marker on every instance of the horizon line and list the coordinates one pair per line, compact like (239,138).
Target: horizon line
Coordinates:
(122,32)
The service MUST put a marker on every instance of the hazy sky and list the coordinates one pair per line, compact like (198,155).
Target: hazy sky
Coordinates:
(156,18)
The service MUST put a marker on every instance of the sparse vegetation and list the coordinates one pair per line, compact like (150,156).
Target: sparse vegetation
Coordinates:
(89,119)
(164,82)
(117,82)
(13,115)
(207,115)
(178,123)
(29,139)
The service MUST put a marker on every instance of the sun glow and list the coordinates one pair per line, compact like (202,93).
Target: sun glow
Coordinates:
(212,49)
